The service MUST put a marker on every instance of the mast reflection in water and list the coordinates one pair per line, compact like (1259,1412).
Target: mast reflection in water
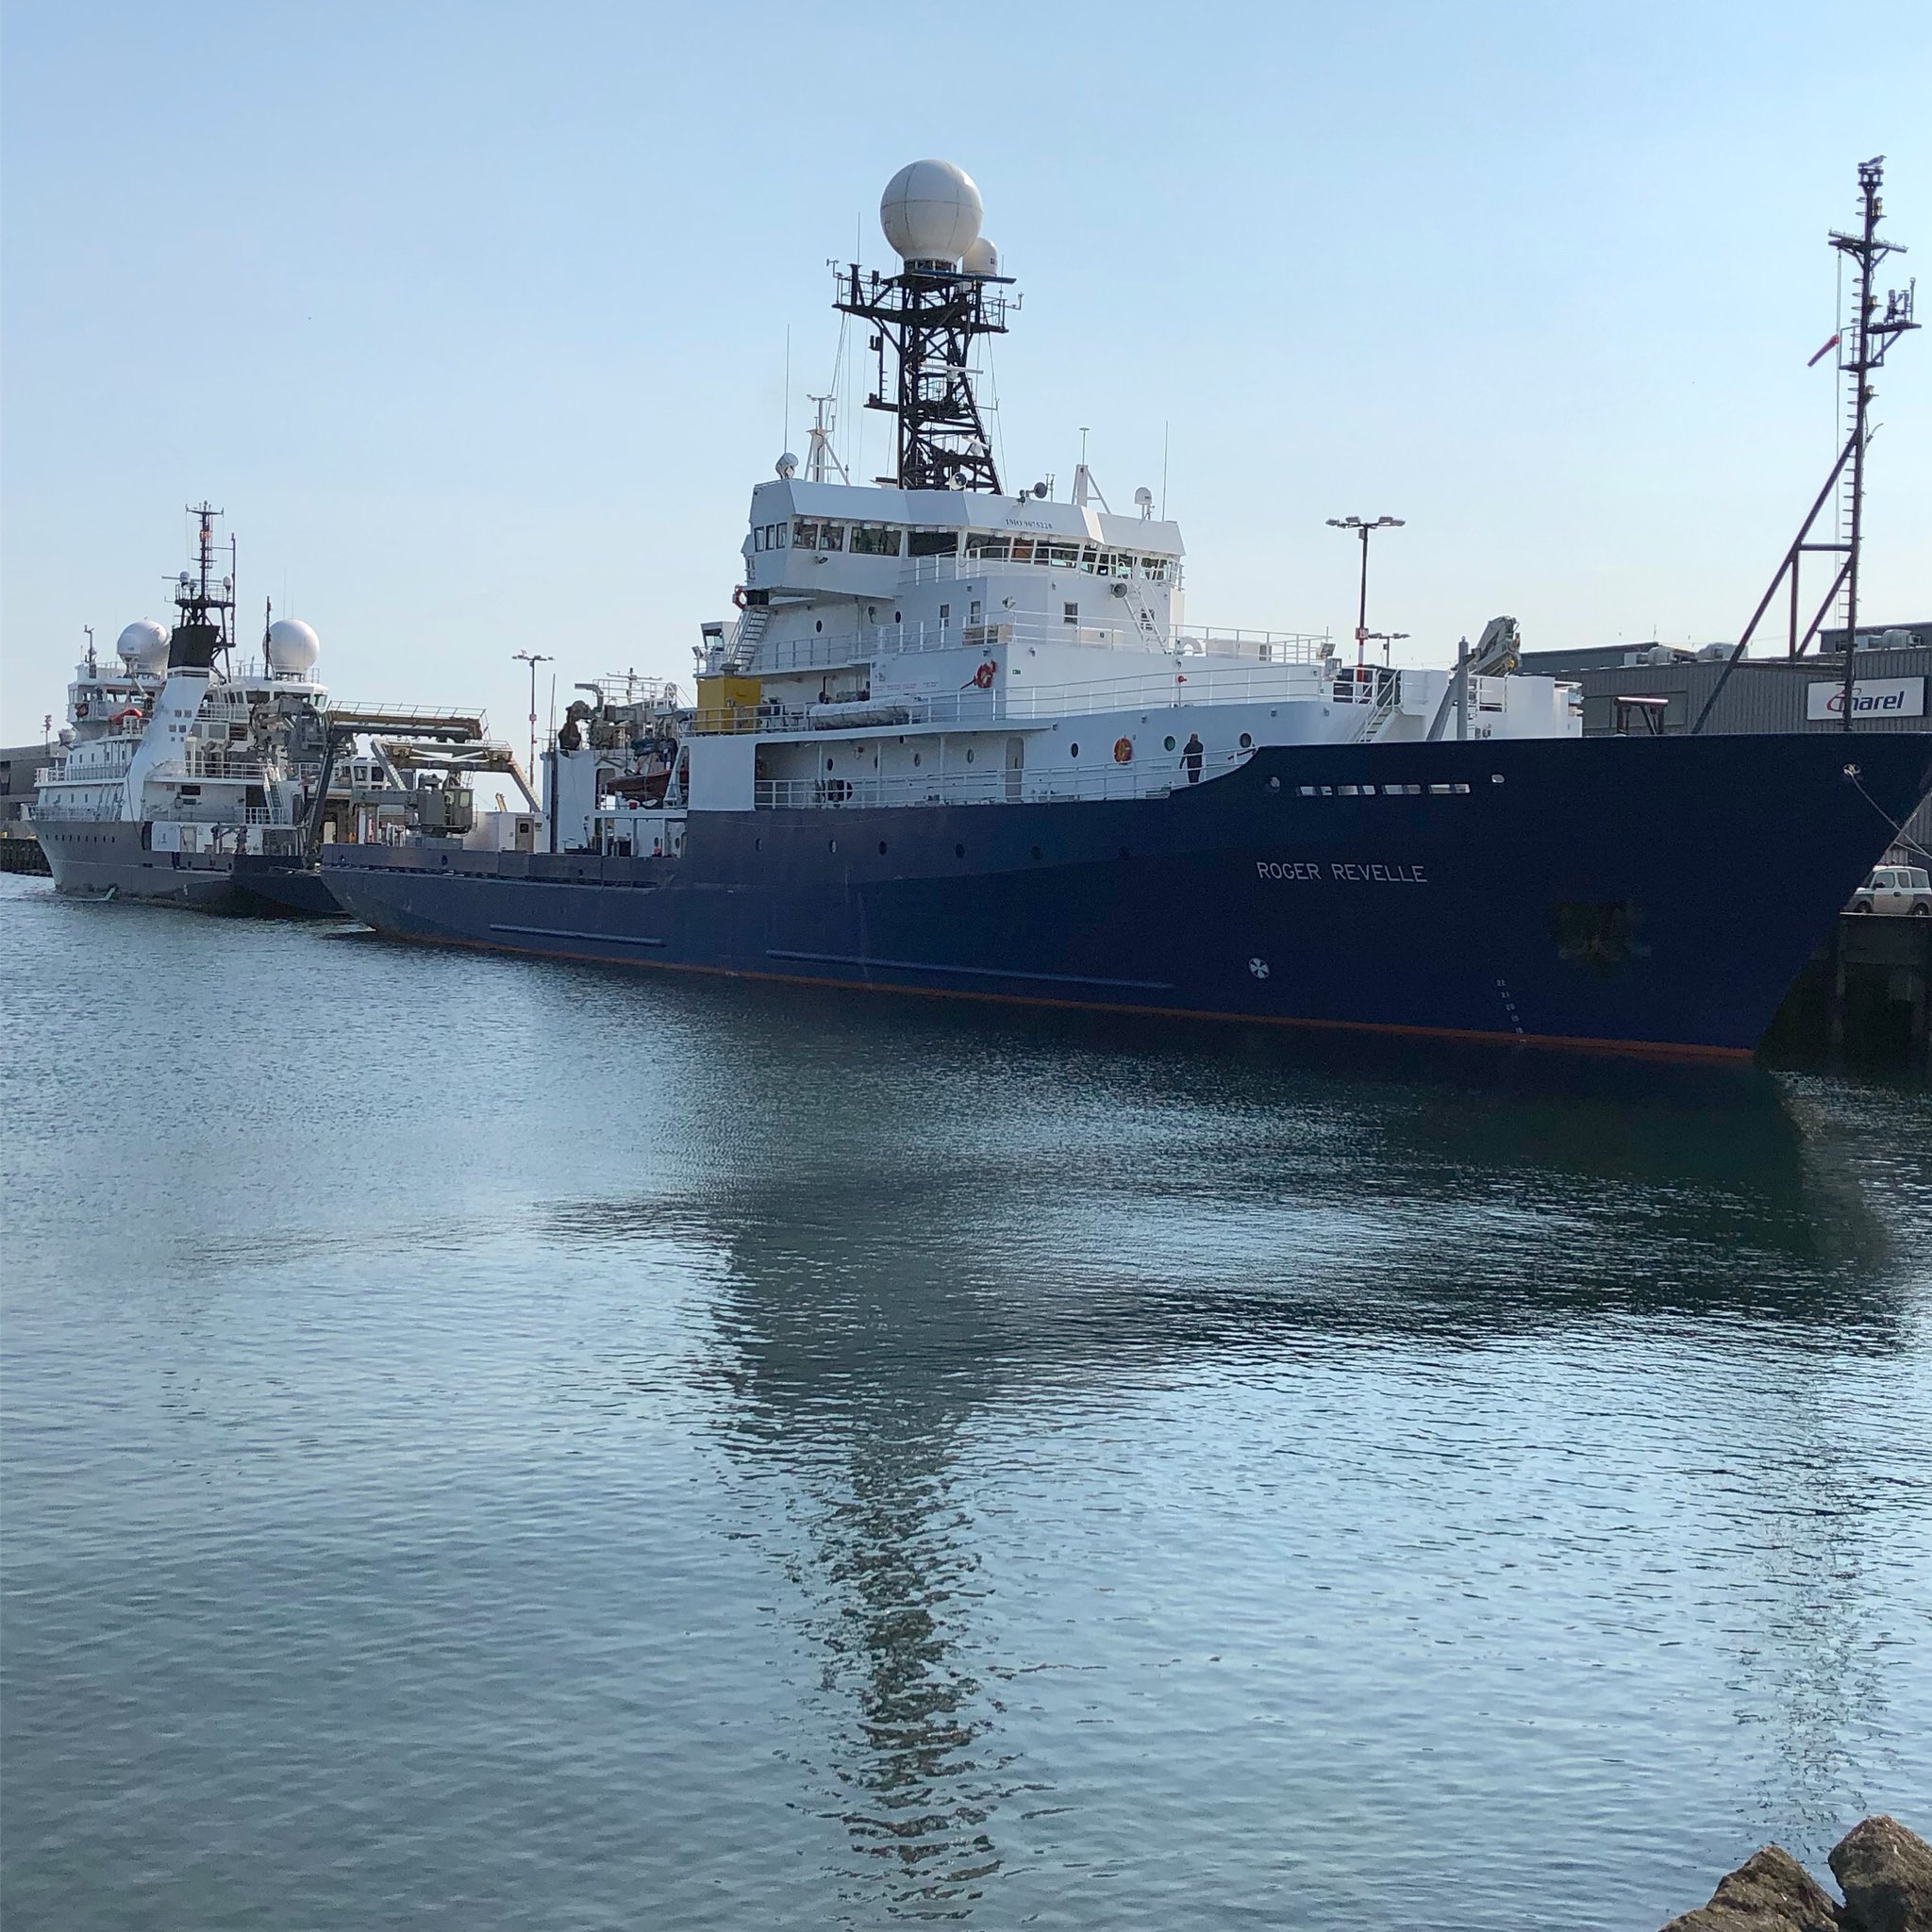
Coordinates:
(766,1458)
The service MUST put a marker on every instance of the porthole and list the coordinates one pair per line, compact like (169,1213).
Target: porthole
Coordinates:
(831,844)
(830,762)
(915,757)
(969,754)
(959,852)
(758,844)
(882,848)
(1275,785)
(897,618)
(1168,743)
(819,624)
(1036,855)
(1072,751)
(1247,740)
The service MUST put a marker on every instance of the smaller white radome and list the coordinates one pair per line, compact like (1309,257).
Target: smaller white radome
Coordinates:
(293,646)
(143,645)
(982,259)
(930,212)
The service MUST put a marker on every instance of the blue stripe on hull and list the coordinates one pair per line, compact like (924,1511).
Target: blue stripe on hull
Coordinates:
(1635,893)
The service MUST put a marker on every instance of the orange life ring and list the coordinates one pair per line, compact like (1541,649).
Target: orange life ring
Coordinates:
(984,677)
(1122,751)
(738,595)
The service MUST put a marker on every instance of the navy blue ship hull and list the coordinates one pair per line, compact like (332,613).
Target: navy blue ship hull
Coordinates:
(1639,895)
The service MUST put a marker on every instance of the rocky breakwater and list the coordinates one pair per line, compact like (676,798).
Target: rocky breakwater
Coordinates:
(1884,1871)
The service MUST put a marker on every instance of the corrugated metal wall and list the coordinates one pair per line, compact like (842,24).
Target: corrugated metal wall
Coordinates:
(1763,694)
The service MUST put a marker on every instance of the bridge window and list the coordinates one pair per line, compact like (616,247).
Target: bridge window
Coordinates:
(874,540)
(831,536)
(978,543)
(1154,567)
(932,542)
(805,536)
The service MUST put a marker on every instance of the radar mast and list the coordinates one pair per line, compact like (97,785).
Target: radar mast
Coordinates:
(947,294)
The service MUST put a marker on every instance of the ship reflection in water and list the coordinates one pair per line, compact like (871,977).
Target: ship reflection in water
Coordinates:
(587,1446)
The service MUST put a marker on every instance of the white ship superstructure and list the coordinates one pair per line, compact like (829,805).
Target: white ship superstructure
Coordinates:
(186,776)
(935,639)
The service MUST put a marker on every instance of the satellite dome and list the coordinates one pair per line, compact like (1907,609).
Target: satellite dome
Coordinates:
(292,647)
(982,259)
(143,645)
(930,212)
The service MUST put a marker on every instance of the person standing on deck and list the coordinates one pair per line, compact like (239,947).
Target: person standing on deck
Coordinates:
(1192,755)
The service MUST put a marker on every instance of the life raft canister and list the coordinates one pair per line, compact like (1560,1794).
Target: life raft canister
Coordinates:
(984,677)
(738,595)
(1122,751)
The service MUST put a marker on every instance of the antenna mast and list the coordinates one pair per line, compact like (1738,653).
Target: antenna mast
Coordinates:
(207,604)
(1872,335)
(929,315)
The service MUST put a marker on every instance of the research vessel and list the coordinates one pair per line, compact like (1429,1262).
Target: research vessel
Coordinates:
(967,740)
(190,778)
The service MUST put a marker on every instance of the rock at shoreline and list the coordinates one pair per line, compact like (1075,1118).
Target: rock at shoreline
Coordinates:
(1885,1873)
(1769,1892)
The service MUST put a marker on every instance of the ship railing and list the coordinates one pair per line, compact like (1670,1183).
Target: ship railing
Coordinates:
(220,766)
(194,812)
(1147,777)
(106,772)
(1011,701)
(907,638)
(1259,646)
(1212,643)
(951,567)
(403,721)
(254,671)
(1189,683)
(61,808)
(632,688)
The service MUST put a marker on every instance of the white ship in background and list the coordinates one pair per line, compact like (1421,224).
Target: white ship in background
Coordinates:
(186,777)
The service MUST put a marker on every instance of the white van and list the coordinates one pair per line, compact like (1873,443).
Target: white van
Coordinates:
(1896,889)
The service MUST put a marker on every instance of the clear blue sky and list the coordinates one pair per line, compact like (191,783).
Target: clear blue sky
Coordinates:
(473,317)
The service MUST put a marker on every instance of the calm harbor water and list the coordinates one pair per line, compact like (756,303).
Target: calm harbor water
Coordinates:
(505,1445)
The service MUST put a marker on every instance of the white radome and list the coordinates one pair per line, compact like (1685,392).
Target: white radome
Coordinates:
(143,645)
(930,212)
(982,259)
(292,647)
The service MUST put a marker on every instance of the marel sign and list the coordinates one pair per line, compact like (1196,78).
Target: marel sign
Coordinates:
(1871,697)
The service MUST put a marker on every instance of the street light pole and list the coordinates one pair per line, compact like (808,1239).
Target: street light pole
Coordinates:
(533,659)
(1365,524)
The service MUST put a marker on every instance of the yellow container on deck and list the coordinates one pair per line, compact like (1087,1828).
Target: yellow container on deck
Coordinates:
(728,703)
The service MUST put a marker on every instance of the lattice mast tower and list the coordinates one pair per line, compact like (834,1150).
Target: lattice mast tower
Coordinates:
(947,294)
